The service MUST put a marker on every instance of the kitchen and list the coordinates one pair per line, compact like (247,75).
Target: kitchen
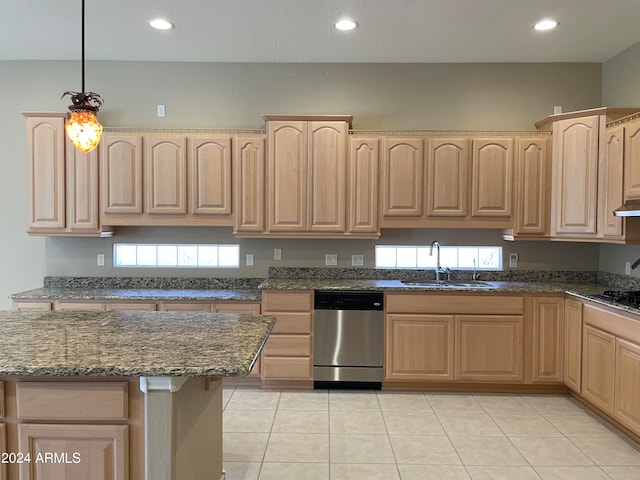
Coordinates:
(388,96)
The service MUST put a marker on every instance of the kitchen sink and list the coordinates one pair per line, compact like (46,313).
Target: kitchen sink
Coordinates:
(471,284)
(423,284)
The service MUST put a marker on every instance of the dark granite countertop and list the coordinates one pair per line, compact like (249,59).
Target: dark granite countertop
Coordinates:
(130,343)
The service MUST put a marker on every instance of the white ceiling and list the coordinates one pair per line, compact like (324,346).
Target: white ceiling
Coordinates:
(431,31)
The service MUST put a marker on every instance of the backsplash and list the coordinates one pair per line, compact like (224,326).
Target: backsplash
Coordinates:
(153,283)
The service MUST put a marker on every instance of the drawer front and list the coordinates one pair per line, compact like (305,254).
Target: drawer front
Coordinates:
(286,368)
(245,308)
(80,306)
(72,401)
(21,306)
(616,324)
(186,307)
(296,323)
(288,346)
(131,306)
(454,304)
(287,301)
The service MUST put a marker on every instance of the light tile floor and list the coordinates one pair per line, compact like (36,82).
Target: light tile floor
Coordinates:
(367,435)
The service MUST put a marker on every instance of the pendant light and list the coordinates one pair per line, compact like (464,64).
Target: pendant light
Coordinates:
(82,126)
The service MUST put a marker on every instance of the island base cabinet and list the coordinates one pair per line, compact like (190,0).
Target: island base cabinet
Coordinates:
(489,348)
(73,452)
(627,397)
(597,368)
(573,345)
(3,448)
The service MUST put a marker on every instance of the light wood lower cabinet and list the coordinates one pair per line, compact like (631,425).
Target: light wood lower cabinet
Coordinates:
(548,340)
(80,306)
(489,348)
(3,448)
(26,305)
(598,364)
(573,345)
(419,347)
(627,384)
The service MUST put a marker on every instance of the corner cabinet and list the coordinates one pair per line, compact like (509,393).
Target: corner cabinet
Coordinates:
(62,182)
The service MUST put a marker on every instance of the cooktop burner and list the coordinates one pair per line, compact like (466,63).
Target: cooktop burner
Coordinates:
(630,298)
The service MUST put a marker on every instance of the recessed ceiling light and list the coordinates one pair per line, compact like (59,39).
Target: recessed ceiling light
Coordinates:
(161,24)
(544,25)
(345,24)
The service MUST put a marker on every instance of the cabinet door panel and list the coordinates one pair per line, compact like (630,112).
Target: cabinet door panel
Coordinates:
(573,345)
(249,172)
(492,177)
(632,161)
(45,165)
(363,185)
(597,368)
(287,176)
(98,452)
(210,175)
(165,174)
(82,189)
(627,397)
(286,368)
(402,177)
(448,165)
(533,186)
(611,184)
(121,173)
(548,340)
(327,143)
(419,347)
(503,361)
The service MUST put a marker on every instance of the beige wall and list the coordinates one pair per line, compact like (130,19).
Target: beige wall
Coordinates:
(389,96)
(621,87)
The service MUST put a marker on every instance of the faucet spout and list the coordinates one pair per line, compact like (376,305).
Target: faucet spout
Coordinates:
(438,269)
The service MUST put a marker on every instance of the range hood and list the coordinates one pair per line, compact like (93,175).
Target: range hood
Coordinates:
(629,209)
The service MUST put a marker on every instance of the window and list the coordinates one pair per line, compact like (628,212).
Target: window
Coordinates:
(459,258)
(176,256)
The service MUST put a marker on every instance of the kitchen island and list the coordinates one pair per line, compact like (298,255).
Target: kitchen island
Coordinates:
(121,394)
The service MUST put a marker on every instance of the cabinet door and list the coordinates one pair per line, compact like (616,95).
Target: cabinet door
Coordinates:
(610,184)
(627,397)
(327,156)
(503,361)
(3,448)
(632,161)
(249,172)
(574,180)
(548,340)
(165,173)
(287,176)
(533,182)
(573,345)
(363,185)
(210,175)
(402,177)
(598,364)
(447,177)
(492,177)
(98,452)
(45,172)
(121,173)
(82,196)
(419,347)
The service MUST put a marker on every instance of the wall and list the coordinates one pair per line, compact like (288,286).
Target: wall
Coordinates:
(620,87)
(387,96)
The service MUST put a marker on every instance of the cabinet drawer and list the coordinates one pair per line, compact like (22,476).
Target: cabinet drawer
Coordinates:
(288,345)
(286,368)
(287,301)
(72,401)
(80,306)
(243,308)
(131,306)
(452,304)
(20,306)
(186,307)
(292,323)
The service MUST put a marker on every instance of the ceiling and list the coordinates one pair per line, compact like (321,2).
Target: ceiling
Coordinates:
(408,31)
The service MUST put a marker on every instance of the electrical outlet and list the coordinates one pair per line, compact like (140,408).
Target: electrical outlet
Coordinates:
(249,260)
(277,254)
(331,259)
(627,268)
(513,260)
(160,111)
(101,259)
(357,260)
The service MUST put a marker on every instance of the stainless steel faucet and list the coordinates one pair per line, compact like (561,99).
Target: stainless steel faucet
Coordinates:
(438,269)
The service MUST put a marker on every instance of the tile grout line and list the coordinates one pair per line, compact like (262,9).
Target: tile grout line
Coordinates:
(384,421)
(266,447)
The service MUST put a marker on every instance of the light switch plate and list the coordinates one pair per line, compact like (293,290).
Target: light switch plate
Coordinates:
(160,111)
(357,260)
(249,259)
(277,254)
(331,259)
(513,260)
(101,259)
(627,268)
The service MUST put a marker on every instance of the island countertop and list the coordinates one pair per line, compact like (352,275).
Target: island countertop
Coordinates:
(130,343)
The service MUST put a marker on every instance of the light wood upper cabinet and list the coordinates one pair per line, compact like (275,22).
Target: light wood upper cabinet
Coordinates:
(402,176)
(165,174)
(363,185)
(447,177)
(492,177)
(548,340)
(632,161)
(532,185)
(210,175)
(611,184)
(121,173)
(598,364)
(573,345)
(249,172)
(83,212)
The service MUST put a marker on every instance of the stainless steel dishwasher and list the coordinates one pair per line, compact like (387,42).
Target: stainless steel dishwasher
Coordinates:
(348,329)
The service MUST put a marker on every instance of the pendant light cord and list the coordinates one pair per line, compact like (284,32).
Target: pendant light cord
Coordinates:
(82,30)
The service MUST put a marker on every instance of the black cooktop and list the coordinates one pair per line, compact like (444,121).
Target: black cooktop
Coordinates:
(630,298)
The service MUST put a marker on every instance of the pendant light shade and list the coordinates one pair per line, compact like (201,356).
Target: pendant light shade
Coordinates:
(83,128)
